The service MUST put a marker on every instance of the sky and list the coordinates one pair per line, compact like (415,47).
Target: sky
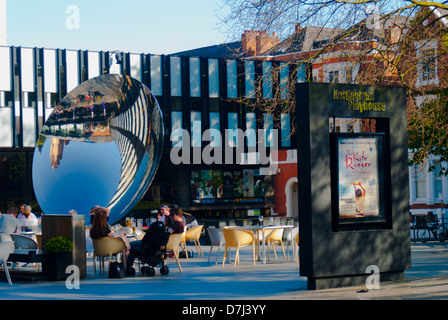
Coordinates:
(136,26)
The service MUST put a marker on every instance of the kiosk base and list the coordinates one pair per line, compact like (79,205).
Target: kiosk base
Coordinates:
(350,280)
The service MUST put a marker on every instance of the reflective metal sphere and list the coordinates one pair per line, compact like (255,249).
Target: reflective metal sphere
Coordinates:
(101,145)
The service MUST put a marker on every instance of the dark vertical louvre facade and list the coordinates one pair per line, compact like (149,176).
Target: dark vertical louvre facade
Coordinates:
(190,90)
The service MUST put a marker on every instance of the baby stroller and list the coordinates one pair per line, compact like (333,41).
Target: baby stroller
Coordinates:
(153,252)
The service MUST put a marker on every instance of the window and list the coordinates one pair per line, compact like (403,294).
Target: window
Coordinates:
(27,68)
(176,128)
(233,126)
(250,79)
(213,78)
(286,130)
(231,79)
(333,76)
(6,132)
(156,75)
(195,77)
(427,63)
(437,181)
(268,119)
(196,129)
(301,73)
(176,83)
(251,130)
(136,67)
(284,80)
(5,66)
(267,80)
(420,182)
(319,44)
(215,129)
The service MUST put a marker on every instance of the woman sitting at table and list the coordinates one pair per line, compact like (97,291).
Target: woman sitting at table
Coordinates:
(100,227)
(177,224)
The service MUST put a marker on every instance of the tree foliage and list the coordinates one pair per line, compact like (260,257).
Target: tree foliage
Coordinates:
(400,27)
(427,130)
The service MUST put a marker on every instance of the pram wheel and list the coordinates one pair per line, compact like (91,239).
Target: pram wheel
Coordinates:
(164,270)
(130,272)
(149,271)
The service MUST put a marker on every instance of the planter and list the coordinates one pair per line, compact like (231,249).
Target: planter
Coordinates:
(56,264)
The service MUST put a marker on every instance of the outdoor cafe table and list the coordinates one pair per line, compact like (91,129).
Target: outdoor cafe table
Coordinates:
(27,256)
(263,229)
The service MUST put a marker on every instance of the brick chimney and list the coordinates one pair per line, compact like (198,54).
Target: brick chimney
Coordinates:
(257,42)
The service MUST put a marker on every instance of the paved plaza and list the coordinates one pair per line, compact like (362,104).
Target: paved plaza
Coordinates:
(276,280)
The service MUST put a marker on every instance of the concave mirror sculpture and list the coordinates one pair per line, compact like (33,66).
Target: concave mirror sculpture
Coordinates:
(101,145)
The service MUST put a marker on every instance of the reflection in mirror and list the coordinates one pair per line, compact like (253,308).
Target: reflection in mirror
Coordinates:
(100,146)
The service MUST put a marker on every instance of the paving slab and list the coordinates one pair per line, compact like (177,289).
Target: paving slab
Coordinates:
(276,280)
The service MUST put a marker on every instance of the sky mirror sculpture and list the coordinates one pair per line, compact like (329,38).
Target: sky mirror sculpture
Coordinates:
(101,145)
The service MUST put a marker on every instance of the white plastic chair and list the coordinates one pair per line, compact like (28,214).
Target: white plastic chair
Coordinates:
(5,250)
(22,242)
(173,245)
(292,241)
(89,244)
(216,239)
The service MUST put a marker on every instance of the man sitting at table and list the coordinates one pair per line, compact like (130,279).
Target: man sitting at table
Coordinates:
(27,218)
(9,224)
(175,225)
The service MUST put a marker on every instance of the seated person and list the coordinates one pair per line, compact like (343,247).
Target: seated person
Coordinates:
(164,214)
(9,224)
(92,214)
(100,227)
(189,220)
(27,219)
(177,224)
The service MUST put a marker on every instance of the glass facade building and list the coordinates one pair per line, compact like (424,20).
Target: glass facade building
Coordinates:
(203,100)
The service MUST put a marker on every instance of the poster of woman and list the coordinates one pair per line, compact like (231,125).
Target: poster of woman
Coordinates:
(358,186)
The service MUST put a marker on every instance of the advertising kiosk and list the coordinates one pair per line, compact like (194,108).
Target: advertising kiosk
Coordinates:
(353,187)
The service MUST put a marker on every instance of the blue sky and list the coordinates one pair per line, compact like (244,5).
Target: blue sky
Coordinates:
(149,26)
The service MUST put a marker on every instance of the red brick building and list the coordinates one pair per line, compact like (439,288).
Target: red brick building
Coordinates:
(365,57)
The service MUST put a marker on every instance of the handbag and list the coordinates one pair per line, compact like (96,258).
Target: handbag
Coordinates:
(183,254)
(116,269)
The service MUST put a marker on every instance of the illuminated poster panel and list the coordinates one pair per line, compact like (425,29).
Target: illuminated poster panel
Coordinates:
(359,178)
